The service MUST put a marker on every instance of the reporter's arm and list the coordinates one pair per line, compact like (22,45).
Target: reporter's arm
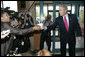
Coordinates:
(21,31)
(52,26)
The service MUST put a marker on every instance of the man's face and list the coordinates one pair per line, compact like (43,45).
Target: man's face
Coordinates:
(62,11)
(5,17)
(27,12)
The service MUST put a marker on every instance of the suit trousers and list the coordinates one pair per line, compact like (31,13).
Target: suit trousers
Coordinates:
(45,36)
(71,47)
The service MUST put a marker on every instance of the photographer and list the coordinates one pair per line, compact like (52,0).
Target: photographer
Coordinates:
(28,20)
(46,36)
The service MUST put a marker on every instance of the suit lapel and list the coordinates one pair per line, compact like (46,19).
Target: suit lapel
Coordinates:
(70,20)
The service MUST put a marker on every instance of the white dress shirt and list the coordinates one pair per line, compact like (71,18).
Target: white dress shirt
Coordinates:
(66,19)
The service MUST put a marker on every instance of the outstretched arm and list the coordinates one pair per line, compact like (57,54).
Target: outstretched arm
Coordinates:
(21,31)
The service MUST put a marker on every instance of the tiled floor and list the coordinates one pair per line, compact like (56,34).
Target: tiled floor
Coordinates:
(78,53)
(32,53)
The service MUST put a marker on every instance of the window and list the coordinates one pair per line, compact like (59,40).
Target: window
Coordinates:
(69,7)
(37,14)
(57,14)
(11,4)
(57,7)
(37,11)
(81,14)
(73,9)
(1,4)
(50,7)
(45,10)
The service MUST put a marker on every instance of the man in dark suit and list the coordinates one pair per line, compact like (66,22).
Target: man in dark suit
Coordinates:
(68,25)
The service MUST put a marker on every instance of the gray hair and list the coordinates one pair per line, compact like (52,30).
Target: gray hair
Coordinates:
(64,6)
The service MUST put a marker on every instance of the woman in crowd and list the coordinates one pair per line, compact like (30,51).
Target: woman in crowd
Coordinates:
(46,36)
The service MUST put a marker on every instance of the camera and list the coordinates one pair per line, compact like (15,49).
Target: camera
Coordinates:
(28,15)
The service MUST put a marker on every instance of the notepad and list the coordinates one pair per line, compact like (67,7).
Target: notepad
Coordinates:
(41,25)
(5,33)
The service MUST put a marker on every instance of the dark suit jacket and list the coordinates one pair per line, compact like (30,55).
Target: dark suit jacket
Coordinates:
(73,28)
